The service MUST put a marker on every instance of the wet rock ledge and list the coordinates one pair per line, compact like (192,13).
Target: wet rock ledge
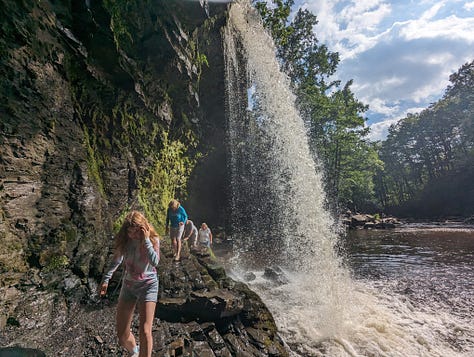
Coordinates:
(201,312)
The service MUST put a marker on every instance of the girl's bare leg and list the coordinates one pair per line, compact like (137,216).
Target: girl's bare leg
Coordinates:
(175,246)
(124,321)
(147,314)
(178,254)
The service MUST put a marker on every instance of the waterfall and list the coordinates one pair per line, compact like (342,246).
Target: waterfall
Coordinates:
(278,202)
(279,220)
(278,194)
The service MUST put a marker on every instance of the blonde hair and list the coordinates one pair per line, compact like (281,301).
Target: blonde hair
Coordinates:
(174,204)
(133,219)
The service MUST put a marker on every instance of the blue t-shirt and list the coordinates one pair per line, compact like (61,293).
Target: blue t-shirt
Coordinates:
(175,217)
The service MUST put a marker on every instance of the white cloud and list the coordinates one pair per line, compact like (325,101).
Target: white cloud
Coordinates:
(364,16)
(399,53)
(379,131)
(380,106)
(451,27)
(469,6)
(438,58)
(431,12)
(327,29)
(352,30)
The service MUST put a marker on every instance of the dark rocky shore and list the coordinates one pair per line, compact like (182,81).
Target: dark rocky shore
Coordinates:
(368,221)
(352,220)
(200,312)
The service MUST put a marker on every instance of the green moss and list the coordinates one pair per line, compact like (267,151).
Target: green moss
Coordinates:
(94,161)
(118,24)
(125,18)
(56,262)
(167,178)
(117,122)
(199,59)
(119,221)
(70,233)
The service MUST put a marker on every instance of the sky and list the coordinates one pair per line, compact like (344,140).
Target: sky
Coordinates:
(399,53)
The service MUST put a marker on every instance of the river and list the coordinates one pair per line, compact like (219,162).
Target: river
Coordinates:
(428,263)
(413,295)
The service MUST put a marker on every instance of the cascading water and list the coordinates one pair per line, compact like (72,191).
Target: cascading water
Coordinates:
(278,201)
(279,219)
(277,190)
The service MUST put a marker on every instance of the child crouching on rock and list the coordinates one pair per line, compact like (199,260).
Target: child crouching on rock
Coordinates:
(190,233)
(138,246)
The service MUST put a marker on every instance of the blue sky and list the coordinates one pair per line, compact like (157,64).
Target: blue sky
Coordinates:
(399,53)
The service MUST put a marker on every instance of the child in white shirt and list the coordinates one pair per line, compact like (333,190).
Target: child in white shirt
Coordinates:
(205,236)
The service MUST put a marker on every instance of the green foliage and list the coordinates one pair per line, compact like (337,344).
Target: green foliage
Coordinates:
(200,61)
(275,18)
(167,177)
(56,262)
(94,162)
(199,58)
(421,150)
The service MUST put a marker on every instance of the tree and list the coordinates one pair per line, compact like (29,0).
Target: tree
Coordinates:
(332,114)
(429,151)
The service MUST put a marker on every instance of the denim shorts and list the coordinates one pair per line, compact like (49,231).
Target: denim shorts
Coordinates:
(205,244)
(139,290)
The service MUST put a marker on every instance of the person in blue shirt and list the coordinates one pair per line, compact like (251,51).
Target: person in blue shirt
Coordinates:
(176,217)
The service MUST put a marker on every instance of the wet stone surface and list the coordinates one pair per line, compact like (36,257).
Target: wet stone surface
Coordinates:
(196,315)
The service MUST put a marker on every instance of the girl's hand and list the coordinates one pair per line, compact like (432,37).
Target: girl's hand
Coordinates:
(103,289)
(145,231)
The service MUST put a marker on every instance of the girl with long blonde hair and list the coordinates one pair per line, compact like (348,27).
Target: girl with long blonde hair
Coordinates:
(137,244)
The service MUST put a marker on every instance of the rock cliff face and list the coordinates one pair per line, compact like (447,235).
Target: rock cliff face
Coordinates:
(105,106)
(100,111)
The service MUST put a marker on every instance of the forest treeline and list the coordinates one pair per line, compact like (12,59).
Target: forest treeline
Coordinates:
(425,167)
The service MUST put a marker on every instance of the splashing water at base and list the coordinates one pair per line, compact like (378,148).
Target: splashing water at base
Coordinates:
(279,220)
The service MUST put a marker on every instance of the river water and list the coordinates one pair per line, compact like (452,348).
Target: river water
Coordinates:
(413,295)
